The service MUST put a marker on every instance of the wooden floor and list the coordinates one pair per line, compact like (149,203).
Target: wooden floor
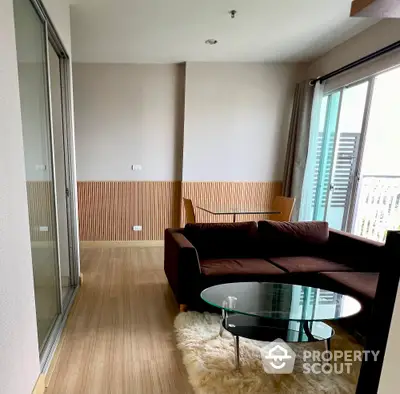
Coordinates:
(119,336)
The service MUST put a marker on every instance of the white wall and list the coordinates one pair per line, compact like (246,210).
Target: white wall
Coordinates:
(19,360)
(236,120)
(376,37)
(128,114)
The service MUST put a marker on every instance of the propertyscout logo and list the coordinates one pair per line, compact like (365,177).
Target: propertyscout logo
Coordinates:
(278,358)
(337,361)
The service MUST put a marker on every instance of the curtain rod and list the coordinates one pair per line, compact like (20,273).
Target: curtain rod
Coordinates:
(358,62)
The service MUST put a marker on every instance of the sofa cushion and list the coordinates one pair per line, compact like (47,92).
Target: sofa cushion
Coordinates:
(238,266)
(362,283)
(307,264)
(220,240)
(293,239)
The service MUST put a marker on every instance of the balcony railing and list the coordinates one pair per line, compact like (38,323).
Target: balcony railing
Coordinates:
(378,207)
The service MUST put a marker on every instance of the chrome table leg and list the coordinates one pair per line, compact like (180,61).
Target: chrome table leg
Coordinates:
(237,353)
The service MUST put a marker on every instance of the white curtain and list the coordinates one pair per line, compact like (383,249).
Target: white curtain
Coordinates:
(306,202)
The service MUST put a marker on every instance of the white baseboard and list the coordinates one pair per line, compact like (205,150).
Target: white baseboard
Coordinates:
(120,244)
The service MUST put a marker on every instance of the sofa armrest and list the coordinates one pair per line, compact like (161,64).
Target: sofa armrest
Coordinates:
(181,265)
(357,252)
(338,237)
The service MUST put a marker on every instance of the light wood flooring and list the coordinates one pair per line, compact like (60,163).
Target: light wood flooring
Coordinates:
(119,335)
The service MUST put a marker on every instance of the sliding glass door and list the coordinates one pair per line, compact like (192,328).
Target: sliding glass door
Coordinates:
(343,113)
(39,166)
(42,76)
(356,186)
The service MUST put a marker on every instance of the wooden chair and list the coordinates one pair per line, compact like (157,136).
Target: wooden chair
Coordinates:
(190,215)
(285,206)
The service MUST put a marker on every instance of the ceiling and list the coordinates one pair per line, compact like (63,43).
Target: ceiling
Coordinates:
(172,31)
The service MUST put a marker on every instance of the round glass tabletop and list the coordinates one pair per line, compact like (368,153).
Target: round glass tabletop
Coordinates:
(281,301)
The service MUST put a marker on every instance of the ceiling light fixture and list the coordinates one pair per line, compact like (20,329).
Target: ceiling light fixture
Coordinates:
(211,41)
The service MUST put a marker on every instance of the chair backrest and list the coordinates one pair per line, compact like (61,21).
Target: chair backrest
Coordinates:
(285,206)
(190,216)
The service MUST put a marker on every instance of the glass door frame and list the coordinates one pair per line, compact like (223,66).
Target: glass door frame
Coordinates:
(64,71)
(52,38)
(351,201)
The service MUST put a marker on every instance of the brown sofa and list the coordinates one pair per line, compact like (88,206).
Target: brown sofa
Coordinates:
(307,253)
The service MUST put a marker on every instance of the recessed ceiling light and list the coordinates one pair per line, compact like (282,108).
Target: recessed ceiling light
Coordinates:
(211,41)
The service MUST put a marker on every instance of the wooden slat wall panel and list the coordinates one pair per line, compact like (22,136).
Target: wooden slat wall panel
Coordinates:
(41,210)
(108,210)
(213,194)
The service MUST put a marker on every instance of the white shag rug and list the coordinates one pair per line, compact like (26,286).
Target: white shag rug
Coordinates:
(210,362)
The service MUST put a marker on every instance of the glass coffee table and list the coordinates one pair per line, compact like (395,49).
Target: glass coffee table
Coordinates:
(266,311)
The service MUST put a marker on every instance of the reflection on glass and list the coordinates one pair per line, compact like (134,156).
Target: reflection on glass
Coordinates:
(30,40)
(318,330)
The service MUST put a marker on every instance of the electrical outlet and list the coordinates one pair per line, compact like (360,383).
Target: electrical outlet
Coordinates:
(137,228)
(136,167)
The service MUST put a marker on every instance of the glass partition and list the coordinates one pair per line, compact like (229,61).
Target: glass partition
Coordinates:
(39,167)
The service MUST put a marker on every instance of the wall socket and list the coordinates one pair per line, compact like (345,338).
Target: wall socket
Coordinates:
(136,167)
(137,228)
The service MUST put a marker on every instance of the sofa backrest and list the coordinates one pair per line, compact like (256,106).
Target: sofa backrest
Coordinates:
(220,240)
(280,239)
(293,238)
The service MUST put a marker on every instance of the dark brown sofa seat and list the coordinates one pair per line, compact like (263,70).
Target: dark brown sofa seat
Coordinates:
(238,266)
(360,284)
(218,271)
(304,264)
